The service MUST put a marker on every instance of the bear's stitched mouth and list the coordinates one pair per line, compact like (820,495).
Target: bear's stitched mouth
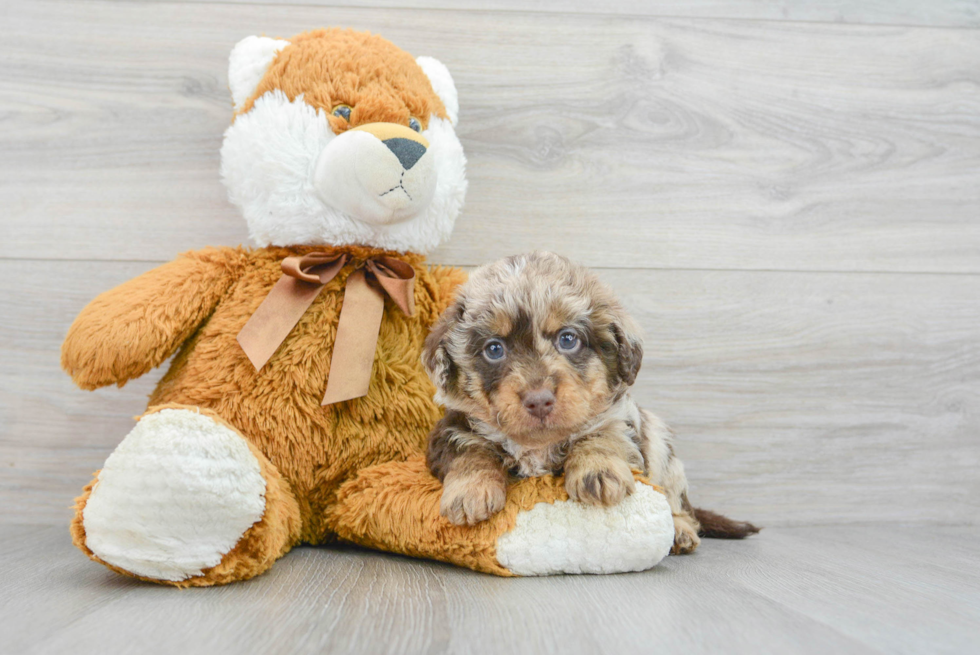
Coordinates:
(400,185)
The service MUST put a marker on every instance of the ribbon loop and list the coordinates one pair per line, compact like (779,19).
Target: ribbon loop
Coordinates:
(360,316)
(397,279)
(316,267)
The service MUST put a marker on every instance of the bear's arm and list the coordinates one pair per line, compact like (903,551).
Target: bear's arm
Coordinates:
(133,328)
(446,280)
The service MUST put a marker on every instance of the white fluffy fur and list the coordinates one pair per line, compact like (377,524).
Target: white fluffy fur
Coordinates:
(174,497)
(268,160)
(358,175)
(442,83)
(249,60)
(569,537)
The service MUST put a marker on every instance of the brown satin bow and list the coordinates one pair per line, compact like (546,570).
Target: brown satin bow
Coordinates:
(360,316)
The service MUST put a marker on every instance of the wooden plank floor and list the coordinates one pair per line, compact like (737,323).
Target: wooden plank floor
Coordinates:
(786,193)
(855,589)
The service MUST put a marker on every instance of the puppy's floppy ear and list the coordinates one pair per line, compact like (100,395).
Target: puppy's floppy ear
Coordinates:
(438,364)
(629,344)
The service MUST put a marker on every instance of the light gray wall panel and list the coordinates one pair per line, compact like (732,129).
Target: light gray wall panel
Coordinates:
(673,143)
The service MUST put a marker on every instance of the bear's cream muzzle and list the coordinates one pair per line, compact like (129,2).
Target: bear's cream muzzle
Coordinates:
(378,173)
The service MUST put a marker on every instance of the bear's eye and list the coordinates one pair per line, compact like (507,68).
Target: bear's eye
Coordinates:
(568,341)
(494,350)
(415,124)
(342,111)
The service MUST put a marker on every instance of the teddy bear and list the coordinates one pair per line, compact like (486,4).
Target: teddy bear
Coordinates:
(295,409)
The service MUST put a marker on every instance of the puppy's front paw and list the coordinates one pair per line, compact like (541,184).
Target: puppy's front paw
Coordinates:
(603,483)
(686,539)
(469,499)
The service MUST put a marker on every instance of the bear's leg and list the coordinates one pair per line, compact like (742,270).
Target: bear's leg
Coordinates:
(395,507)
(186,500)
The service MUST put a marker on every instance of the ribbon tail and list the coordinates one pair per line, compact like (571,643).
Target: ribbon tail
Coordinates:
(275,318)
(356,342)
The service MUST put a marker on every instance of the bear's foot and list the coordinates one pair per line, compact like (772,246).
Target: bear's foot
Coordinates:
(395,507)
(185,500)
(566,536)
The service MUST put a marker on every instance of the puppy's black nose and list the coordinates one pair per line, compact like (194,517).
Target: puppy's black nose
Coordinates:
(407,151)
(539,402)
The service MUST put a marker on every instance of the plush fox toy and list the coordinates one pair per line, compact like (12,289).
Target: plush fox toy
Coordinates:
(296,408)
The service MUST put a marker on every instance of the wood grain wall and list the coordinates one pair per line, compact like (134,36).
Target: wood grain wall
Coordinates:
(786,193)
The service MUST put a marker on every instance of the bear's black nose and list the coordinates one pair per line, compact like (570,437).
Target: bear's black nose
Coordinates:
(407,151)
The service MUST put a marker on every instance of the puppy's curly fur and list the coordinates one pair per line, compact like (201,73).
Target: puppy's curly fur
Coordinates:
(533,362)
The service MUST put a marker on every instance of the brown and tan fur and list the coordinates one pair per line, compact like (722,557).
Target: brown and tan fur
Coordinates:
(566,341)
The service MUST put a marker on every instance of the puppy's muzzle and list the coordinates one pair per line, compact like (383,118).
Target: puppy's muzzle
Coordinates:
(379,173)
(539,402)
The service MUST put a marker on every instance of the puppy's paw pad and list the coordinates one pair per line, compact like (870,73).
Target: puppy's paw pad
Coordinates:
(470,500)
(686,539)
(605,486)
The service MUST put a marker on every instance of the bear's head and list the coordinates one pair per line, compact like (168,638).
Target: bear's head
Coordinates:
(342,138)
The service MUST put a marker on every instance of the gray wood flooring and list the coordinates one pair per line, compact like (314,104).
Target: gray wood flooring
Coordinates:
(786,194)
(853,589)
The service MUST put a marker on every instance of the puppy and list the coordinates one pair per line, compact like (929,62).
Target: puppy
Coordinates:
(533,362)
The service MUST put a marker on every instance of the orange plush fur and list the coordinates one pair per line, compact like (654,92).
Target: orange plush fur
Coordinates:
(377,79)
(373,510)
(126,331)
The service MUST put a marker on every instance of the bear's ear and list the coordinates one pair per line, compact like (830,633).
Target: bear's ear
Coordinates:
(442,83)
(249,60)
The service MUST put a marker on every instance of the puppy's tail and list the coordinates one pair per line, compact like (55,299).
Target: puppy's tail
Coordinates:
(716,526)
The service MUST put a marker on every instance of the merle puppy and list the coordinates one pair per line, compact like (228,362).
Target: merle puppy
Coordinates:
(533,362)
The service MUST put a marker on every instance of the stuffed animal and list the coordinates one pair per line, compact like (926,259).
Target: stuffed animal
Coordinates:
(296,409)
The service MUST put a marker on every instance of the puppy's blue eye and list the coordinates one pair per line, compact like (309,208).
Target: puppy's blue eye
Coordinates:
(494,350)
(568,341)
(342,111)
(415,124)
